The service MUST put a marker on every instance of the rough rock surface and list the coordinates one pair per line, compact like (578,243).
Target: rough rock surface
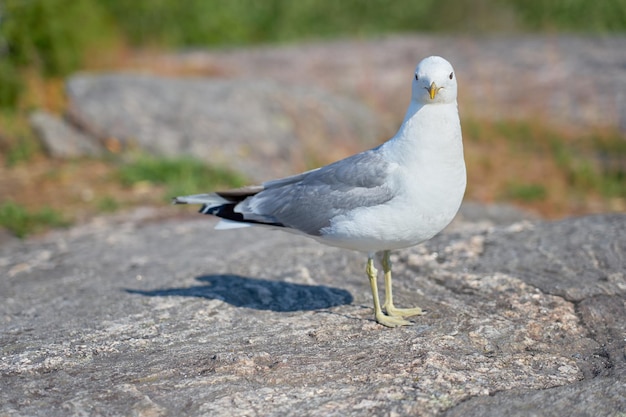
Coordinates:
(258,127)
(135,315)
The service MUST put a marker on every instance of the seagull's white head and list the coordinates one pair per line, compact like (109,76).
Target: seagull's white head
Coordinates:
(434,81)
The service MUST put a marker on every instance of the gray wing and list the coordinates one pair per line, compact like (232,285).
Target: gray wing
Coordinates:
(308,201)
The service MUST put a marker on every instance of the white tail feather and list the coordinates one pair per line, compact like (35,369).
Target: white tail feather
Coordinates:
(208,199)
(224,224)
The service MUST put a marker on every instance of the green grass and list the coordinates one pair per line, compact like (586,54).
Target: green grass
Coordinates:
(21,222)
(54,35)
(180,176)
(217,22)
(593,164)
(589,164)
(52,38)
(572,15)
(107,204)
(11,82)
(22,151)
(17,141)
(524,192)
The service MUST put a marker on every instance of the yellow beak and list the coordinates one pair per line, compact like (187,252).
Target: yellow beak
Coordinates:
(433,90)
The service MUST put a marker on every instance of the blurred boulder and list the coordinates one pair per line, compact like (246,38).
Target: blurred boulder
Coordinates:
(61,139)
(259,127)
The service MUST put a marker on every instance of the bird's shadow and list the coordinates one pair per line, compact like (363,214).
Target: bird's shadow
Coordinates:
(259,294)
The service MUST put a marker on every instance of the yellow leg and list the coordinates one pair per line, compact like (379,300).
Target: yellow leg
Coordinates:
(390,309)
(381,317)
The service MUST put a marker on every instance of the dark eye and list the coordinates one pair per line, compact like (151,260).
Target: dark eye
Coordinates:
(416,77)
(451,75)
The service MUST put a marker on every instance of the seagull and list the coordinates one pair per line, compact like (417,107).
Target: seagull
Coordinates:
(393,196)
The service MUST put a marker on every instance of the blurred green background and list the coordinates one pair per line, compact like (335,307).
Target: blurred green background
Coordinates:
(43,41)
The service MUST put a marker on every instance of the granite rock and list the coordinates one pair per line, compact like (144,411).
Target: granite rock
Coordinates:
(259,127)
(139,315)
